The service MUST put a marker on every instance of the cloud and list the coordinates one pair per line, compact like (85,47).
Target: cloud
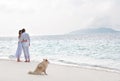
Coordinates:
(109,17)
(59,16)
(16,6)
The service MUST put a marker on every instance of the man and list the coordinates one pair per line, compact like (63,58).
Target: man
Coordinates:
(25,39)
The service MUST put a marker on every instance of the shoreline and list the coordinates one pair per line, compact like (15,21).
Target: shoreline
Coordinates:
(107,69)
(18,71)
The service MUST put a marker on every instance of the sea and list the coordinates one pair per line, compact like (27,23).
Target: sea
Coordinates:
(94,51)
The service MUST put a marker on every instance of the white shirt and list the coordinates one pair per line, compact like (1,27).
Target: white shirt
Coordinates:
(25,39)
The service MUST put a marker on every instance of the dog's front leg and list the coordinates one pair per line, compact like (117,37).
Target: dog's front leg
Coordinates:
(45,72)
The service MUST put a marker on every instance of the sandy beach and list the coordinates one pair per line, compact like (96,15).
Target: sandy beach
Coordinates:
(18,71)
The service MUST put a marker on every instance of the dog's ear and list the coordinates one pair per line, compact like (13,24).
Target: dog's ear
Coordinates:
(45,60)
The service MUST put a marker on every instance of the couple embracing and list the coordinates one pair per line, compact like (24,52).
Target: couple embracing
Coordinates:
(23,44)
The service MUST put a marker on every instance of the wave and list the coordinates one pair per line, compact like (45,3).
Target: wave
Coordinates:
(90,66)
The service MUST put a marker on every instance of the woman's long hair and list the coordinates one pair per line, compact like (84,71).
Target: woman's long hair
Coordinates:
(20,32)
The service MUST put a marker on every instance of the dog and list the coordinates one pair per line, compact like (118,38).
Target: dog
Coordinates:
(41,68)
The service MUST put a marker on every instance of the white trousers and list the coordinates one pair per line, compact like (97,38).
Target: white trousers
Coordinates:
(26,52)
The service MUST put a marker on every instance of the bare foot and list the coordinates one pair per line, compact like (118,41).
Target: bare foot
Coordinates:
(18,61)
(25,61)
(28,61)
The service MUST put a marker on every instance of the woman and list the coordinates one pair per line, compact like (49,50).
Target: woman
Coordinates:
(19,48)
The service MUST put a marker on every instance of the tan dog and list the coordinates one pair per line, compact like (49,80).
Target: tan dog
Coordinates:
(41,67)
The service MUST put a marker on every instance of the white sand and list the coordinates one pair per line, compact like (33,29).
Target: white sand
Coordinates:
(17,71)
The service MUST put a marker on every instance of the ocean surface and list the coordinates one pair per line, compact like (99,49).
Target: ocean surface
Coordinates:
(98,51)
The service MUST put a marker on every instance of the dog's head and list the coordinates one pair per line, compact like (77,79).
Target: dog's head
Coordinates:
(45,60)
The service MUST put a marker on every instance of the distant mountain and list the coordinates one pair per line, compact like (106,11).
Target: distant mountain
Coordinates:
(95,30)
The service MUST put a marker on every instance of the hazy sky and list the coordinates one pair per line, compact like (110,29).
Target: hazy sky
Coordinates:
(48,17)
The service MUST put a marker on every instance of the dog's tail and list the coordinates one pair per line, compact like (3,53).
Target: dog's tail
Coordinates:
(30,72)
(34,73)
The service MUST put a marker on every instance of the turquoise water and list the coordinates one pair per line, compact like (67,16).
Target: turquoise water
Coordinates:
(98,51)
